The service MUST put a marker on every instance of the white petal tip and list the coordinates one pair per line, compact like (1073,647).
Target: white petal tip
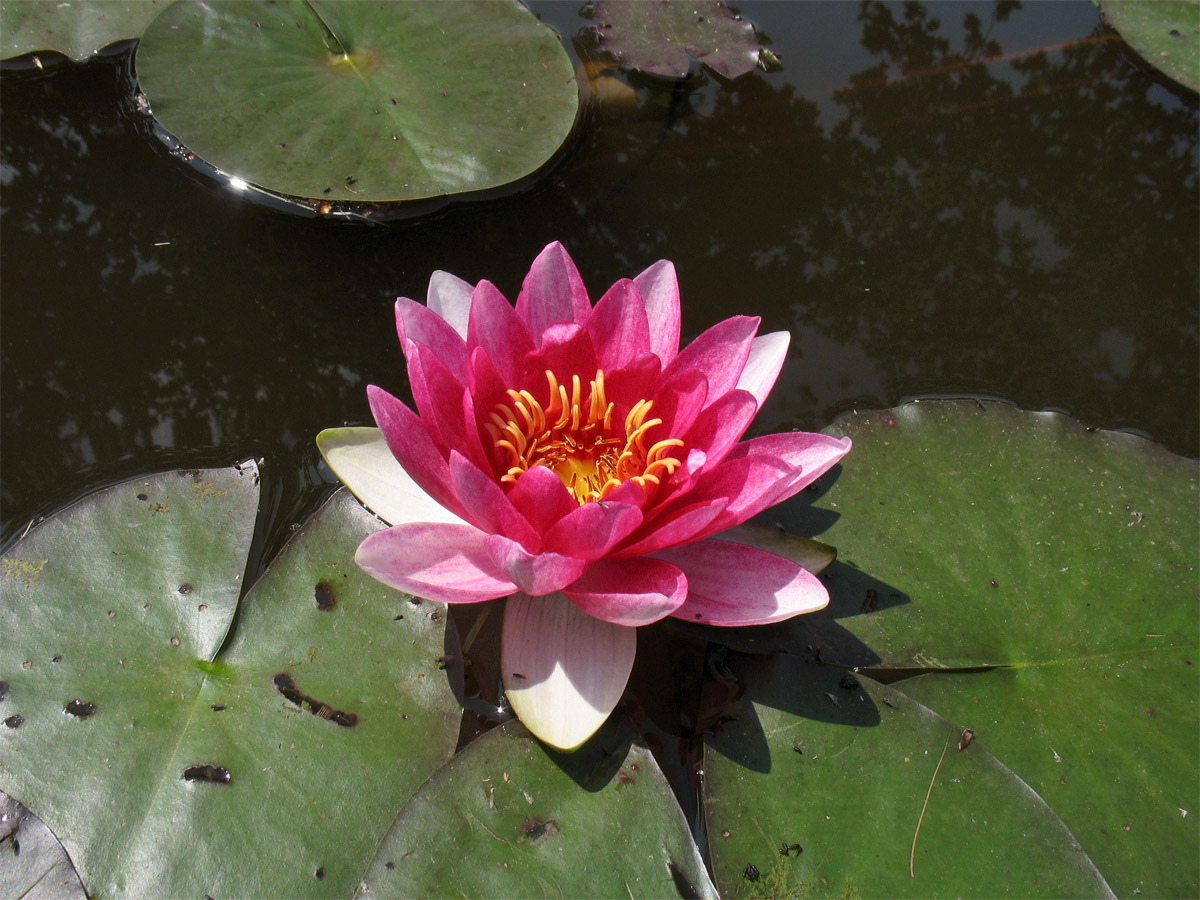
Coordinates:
(563,670)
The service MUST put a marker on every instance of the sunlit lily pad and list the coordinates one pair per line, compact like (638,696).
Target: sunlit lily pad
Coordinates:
(76,29)
(174,758)
(660,37)
(1165,33)
(361,101)
(817,790)
(978,535)
(509,817)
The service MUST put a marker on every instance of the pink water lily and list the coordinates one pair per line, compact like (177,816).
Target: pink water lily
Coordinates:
(573,458)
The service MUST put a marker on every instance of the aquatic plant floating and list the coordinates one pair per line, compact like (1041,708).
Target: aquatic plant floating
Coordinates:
(660,37)
(572,458)
(360,102)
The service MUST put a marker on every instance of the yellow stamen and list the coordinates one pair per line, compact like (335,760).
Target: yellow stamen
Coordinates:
(578,442)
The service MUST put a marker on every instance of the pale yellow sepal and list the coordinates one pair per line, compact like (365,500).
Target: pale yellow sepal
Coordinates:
(361,459)
(563,670)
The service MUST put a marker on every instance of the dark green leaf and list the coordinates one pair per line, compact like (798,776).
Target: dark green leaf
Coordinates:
(273,768)
(427,99)
(509,817)
(837,775)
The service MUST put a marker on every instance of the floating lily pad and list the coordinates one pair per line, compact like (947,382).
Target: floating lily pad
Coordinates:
(1165,33)
(76,29)
(978,535)
(819,785)
(174,758)
(658,37)
(366,102)
(509,817)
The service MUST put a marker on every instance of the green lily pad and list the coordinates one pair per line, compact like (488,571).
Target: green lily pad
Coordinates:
(1165,33)
(509,817)
(175,757)
(817,790)
(659,37)
(76,29)
(979,535)
(366,102)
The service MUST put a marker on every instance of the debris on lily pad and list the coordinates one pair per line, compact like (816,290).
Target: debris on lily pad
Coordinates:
(659,36)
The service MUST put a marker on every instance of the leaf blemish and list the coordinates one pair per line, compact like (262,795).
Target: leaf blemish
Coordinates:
(535,831)
(286,685)
(207,773)
(82,709)
(323,595)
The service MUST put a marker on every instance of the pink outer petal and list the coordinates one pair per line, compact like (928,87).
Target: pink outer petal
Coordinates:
(541,497)
(450,298)
(618,326)
(629,591)
(809,454)
(734,584)
(659,287)
(420,325)
(497,328)
(720,353)
(534,573)
(488,505)
(437,561)
(767,354)
(413,448)
(746,486)
(593,529)
(552,292)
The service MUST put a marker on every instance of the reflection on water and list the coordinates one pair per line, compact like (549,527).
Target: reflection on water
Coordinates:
(980,198)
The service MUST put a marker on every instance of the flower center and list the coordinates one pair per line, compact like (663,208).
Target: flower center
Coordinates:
(579,442)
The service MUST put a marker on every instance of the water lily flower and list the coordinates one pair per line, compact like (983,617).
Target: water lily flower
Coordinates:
(573,458)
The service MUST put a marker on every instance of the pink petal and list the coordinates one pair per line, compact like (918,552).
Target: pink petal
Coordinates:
(533,573)
(809,454)
(443,404)
(629,591)
(488,505)
(679,400)
(450,297)
(541,497)
(767,354)
(638,380)
(720,353)
(416,323)
(659,287)
(565,350)
(552,292)
(413,448)
(747,486)
(495,326)
(447,563)
(672,528)
(593,529)
(720,426)
(563,671)
(734,584)
(618,326)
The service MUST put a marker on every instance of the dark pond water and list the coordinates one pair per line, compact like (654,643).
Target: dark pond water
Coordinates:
(934,199)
